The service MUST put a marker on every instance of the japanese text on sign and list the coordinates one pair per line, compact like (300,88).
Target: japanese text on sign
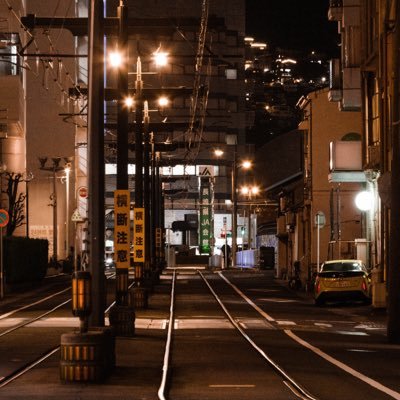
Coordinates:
(121,228)
(138,234)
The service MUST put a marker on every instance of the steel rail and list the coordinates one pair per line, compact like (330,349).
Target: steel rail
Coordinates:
(298,390)
(161,390)
(6,315)
(5,380)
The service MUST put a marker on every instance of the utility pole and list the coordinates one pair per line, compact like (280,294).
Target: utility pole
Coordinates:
(122,136)
(122,315)
(234,208)
(139,273)
(393,326)
(96,160)
(146,188)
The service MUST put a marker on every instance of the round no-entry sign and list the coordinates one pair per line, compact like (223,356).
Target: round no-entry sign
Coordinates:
(82,192)
(4,218)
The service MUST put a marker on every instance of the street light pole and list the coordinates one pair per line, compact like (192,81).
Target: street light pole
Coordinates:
(139,154)
(122,135)
(146,186)
(54,168)
(53,197)
(234,208)
(67,173)
(139,136)
(96,159)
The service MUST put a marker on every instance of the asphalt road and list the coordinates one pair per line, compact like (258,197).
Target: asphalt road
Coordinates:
(334,352)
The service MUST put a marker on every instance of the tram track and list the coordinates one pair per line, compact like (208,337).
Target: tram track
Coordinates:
(295,387)
(46,353)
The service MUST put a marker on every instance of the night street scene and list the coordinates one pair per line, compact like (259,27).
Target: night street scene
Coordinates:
(200,200)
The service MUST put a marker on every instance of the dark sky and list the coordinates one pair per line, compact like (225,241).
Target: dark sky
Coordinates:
(293,24)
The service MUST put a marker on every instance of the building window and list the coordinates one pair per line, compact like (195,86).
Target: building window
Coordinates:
(9,59)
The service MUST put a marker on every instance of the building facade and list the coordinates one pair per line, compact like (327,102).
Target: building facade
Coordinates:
(45,105)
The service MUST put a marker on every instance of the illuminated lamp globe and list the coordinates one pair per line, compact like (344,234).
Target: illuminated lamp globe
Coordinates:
(364,201)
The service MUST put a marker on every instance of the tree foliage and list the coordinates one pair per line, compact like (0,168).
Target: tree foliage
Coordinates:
(16,200)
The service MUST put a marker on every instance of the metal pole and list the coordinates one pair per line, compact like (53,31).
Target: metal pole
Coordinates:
(27,207)
(393,325)
(55,235)
(139,152)
(318,242)
(122,135)
(139,136)
(153,202)
(234,209)
(1,264)
(146,186)
(96,160)
(67,171)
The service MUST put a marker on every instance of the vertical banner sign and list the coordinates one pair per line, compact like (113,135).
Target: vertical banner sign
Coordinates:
(121,228)
(138,235)
(206,231)
(158,241)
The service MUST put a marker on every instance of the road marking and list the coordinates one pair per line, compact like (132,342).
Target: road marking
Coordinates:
(343,366)
(231,386)
(361,351)
(350,333)
(323,325)
(276,300)
(262,312)
(286,323)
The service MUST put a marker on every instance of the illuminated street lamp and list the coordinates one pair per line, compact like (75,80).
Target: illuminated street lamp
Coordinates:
(115,59)
(218,152)
(160,58)
(364,201)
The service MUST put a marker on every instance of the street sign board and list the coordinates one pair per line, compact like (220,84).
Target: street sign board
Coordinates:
(76,216)
(82,192)
(4,218)
(139,235)
(320,219)
(122,225)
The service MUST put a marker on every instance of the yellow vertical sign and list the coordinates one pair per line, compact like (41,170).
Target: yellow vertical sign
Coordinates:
(158,241)
(121,228)
(138,235)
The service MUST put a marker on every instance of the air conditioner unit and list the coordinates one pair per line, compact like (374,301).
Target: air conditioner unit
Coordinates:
(335,80)
(351,89)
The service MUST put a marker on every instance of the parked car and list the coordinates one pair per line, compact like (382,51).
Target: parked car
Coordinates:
(342,280)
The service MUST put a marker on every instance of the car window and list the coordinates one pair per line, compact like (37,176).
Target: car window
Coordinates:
(342,267)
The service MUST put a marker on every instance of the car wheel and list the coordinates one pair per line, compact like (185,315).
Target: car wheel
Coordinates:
(368,302)
(319,302)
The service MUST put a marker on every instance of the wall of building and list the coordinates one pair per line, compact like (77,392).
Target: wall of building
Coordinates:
(47,133)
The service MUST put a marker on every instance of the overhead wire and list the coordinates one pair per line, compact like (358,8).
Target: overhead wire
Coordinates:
(48,63)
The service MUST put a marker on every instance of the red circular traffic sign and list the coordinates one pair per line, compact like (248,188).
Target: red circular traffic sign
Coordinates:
(4,218)
(83,192)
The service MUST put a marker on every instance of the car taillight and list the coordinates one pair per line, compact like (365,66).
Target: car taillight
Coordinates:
(364,286)
(317,287)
